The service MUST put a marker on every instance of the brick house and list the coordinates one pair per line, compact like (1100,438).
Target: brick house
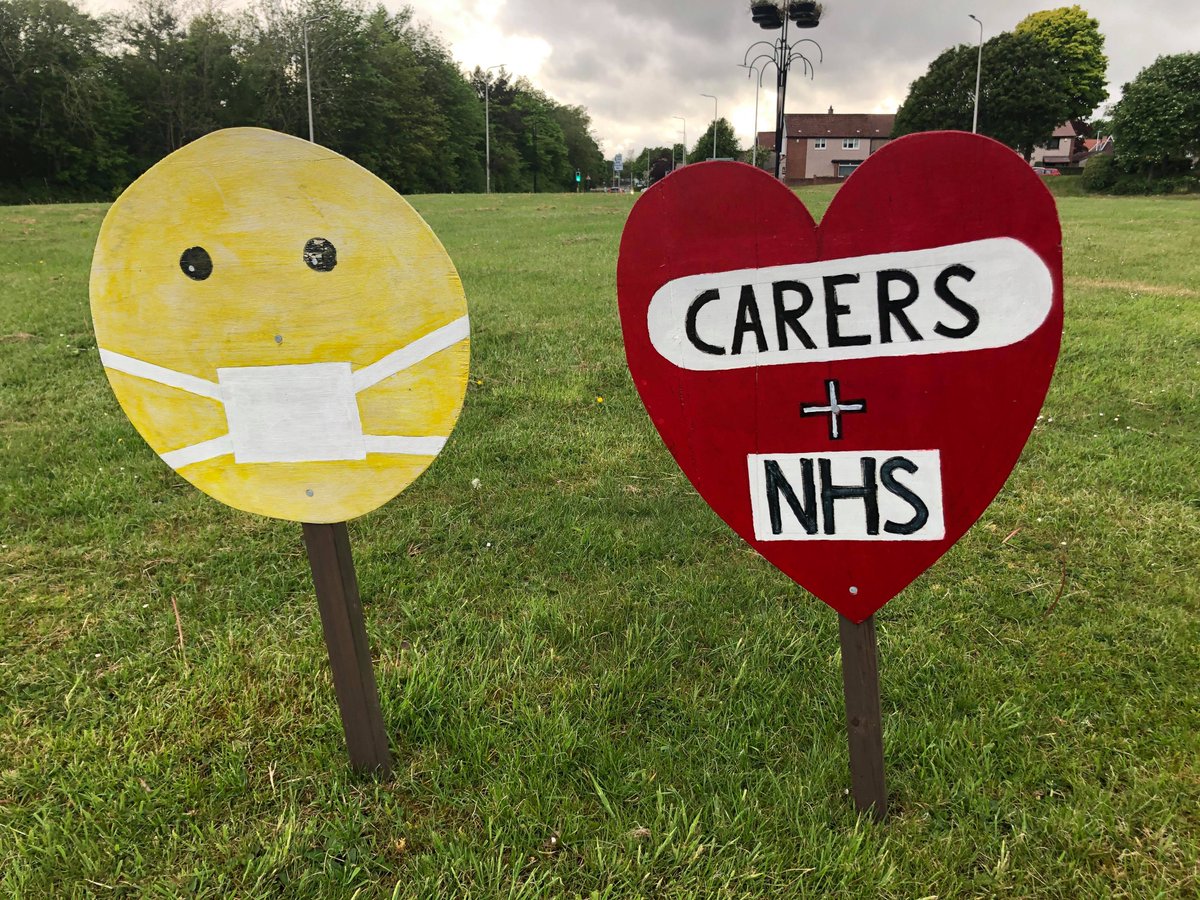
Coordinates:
(828,145)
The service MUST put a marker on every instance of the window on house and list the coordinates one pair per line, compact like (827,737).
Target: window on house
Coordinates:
(819,144)
(849,143)
(845,169)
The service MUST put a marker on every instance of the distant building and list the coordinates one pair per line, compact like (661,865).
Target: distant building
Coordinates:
(828,145)
(1066,147)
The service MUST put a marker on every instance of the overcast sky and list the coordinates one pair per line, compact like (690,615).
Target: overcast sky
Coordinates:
(635,64)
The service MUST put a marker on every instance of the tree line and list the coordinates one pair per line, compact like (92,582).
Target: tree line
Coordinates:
(88,103)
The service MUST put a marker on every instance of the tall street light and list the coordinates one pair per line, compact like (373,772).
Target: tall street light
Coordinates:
(684,160)
(307,76)
(758,87)
(978,70)
(487,124)
(714,100)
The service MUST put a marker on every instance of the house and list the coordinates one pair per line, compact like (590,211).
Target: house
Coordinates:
(1098,146)
(829,145)
(1066,147)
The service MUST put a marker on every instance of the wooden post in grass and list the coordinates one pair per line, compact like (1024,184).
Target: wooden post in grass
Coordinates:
(349,651)
(864,724)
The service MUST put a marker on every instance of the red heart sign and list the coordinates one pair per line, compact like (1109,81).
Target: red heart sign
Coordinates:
(849,398)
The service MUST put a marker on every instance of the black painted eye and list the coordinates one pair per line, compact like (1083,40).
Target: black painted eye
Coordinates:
(196,263)
(320,255)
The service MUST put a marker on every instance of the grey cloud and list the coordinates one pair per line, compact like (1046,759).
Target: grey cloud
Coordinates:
(635,64)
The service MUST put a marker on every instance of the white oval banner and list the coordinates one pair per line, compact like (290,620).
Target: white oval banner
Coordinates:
(970,296)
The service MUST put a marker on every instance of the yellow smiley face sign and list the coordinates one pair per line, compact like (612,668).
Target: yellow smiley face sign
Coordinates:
(280,326)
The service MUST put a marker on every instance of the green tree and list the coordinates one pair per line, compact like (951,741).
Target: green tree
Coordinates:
(583,150)
(524,118)
(375,109)
(508,171)
(89,103)
(942,98)
(541,143)
(1022,96)
(63,121)
(182,77)
(1077,48)
(644,158)
(459,147)
(385,92)
(727,145)
(1156,124)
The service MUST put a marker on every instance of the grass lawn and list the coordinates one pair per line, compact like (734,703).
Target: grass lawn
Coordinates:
(593,688)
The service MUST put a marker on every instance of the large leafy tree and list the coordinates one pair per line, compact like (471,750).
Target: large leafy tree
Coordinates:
(1077,48)
(646,157)
(459,147)
(1156,124)
(534,135)
(583,151)
(181,76)
(727,144)
(63,121)
(942,98)
(1022,97)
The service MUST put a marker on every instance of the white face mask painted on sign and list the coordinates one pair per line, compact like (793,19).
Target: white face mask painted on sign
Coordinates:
(296,413)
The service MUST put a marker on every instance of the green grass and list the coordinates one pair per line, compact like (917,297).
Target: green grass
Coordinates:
(579,648)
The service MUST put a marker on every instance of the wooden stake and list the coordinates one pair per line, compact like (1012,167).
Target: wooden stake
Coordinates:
(349,653)
(864,723)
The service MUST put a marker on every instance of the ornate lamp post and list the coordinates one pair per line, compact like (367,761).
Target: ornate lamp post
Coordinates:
(777,15)
(752,71)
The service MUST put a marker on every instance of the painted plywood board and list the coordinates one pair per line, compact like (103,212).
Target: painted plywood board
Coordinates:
(282,328)
(848,397)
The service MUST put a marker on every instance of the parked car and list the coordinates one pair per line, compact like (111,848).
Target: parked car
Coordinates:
(1043,170)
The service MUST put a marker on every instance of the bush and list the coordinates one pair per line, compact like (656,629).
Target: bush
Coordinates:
(1113,175)
(1099,174)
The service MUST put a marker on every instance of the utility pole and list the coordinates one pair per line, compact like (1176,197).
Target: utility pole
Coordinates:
(307,74)
(487,125)
(978,71)
(714,100)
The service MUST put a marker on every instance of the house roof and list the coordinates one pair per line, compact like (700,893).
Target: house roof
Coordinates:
(868,125)
(1069,129)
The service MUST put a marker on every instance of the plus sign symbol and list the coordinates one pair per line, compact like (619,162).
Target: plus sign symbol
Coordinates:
(848,397)
(833,409)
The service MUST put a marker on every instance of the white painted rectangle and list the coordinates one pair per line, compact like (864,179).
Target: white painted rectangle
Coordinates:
(298,413)
(964,297)
(907,495)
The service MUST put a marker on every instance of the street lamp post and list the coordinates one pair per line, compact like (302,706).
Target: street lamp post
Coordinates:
(758,87)
(684,160)
(487,126)
(714,100)
(978,70)
(774,16)
(307,76)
